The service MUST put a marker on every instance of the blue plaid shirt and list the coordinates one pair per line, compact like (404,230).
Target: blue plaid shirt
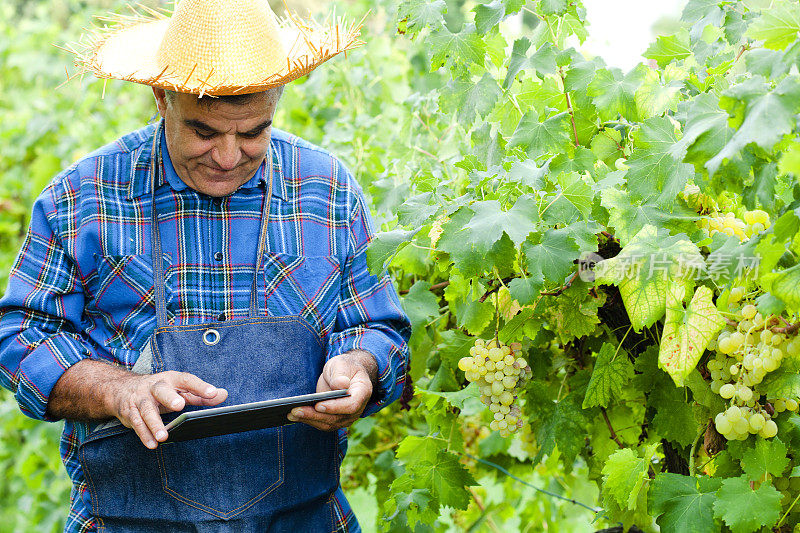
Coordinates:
(82,286)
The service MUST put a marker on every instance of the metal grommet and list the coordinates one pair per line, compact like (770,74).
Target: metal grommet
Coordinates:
(211,337)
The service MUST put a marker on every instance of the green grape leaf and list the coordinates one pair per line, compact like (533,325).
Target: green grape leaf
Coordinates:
(563,423)
(466,257)
(669,48)
(489,222)
(517,60)
(674,419)
(790,160)
(766,457)
(420,304)
(705,118)
(624,475)
(413,449)
(785,285)
(572,191)
(464,98)
(654,97)
(574,313)
(768,118)
(687,331)
(684,503)
(612,372)
(450,49)
(553,256)
(526,290)
(419,14)
(777,26)
(447,480)
(654,175)
(579,75)
(553,7)
(384,246)
(783,382)
(628,217)
(612,93)
(487,16)
(745,510)
(537,138)
(643,268)
(417,210)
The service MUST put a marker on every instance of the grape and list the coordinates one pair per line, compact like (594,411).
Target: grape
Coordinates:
(757,422)
(723,424)
(769,430)
(791,404)
(736,294)
(749,311)
(744,393)
(733,413)
(727,391)
(734,369)
(741,426)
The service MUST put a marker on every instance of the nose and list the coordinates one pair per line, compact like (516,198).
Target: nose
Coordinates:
(226,153)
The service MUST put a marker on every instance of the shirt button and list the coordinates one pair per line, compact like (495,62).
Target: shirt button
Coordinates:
(218,256)
(217,201)
(221,317)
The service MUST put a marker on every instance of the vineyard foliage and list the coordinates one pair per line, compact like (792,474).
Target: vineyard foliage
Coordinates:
(633,235)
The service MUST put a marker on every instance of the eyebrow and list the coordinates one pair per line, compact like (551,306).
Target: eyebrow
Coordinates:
(193,123)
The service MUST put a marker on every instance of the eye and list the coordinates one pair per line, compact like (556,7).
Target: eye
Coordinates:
(252,135)
(202,136)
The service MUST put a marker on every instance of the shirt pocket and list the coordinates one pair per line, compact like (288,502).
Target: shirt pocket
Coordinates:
(304,286)
(123,297)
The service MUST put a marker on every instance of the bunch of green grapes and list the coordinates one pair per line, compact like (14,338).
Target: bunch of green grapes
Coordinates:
(754,223)
(744,354)
(499,371)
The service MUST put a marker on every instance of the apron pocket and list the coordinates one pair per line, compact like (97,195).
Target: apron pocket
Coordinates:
(207,474)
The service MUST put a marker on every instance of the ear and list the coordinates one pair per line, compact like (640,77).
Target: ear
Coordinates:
(161,100)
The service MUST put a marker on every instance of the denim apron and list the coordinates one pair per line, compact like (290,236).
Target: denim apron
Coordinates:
(274,479)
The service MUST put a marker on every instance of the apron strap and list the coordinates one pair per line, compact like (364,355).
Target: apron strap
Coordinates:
(156,171)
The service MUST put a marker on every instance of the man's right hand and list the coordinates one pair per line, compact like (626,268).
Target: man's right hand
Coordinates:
(94,390)
(138,401)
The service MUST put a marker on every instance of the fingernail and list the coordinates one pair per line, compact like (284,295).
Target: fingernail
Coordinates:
(291,417)
(161,435)
(151,444)
(176,404)
(298,413)
(211,391)
(321,408)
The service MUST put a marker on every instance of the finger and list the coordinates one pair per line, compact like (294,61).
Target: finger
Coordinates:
(193,399)
(136,422)
(167,396)
(152,418)
(191,383)
(321,421)
(360,393)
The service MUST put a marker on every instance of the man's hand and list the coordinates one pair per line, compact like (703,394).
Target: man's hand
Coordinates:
(95,390)
(355,370)
(138,401)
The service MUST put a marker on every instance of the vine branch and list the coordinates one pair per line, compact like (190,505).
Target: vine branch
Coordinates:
(611,428)
(569,108)
(482,507)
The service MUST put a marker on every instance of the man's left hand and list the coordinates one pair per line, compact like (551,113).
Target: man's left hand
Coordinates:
(355,370)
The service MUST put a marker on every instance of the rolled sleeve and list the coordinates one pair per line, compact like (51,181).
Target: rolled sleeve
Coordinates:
(40,314)
(370,316)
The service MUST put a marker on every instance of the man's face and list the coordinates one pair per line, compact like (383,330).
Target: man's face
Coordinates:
(215,149)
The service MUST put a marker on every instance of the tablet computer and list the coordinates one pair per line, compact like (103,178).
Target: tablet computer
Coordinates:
(243,417)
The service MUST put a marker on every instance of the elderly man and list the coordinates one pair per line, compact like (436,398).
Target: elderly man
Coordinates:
(207,259)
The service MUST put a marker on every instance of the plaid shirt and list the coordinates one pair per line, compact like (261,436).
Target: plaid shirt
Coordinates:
(82,286)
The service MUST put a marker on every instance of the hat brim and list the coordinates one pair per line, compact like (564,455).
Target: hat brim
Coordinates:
(129,50)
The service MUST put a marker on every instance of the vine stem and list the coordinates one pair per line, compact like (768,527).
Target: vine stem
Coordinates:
(611,428)
(780,522)
(788,330)
(569,108)
(482,507)
(596,511)
(693,450)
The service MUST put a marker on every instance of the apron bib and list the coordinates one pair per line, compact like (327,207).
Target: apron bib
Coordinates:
(274,479)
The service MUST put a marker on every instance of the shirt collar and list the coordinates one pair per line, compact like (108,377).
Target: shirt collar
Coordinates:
(140,179)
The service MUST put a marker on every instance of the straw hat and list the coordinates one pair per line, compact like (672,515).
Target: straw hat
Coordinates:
(214,47)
